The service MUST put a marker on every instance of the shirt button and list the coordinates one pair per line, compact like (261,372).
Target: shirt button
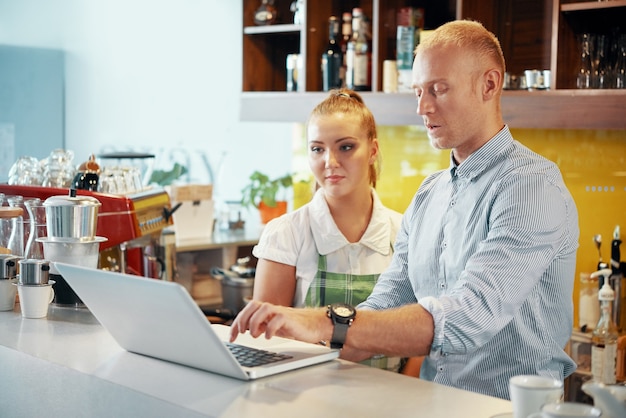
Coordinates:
(442,285)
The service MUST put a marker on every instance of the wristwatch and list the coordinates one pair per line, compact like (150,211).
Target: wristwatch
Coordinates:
(342,316)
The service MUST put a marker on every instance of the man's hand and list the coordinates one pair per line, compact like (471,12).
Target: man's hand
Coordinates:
(309,325)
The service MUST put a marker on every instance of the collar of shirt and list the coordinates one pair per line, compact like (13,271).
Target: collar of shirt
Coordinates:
(479,160)
(328,238)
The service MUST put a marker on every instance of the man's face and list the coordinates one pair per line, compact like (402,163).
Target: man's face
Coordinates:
(448,89)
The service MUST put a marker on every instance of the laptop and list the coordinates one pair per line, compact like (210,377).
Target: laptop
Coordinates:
(160,319)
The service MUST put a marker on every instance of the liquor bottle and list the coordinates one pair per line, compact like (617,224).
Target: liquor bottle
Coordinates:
(358,55)
(346,35)
(332,58)
(604,339)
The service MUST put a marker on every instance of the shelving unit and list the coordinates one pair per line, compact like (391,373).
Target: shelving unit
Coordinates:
(533,33)
(571,19)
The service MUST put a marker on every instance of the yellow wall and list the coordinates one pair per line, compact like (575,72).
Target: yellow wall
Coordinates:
(593,164)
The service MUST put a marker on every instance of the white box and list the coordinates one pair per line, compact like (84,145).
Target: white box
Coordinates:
(193,220)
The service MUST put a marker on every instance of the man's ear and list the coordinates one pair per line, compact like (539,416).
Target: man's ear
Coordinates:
(492,83)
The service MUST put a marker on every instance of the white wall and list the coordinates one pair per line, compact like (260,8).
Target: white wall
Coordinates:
(157,76)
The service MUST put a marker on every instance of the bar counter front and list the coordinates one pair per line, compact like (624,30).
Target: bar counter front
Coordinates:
(68,365)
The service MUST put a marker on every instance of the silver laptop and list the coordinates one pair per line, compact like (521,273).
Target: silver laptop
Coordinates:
(160,319)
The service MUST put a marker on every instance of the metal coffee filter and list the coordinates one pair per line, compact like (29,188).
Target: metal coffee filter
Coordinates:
(34,272)
(72,216)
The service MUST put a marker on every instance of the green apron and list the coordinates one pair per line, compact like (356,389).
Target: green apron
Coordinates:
(328,287)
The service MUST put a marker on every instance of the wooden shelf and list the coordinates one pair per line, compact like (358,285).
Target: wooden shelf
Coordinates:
(553,109)
(271,29)
(534,34)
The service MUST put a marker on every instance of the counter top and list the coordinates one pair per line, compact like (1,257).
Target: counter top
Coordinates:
(218,239)
(69,365)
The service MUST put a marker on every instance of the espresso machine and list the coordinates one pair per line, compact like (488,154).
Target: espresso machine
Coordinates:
(132,225)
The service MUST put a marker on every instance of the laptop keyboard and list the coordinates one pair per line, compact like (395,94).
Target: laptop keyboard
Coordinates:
(252,357)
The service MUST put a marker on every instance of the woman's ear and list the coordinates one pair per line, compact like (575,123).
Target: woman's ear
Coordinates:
(374,152)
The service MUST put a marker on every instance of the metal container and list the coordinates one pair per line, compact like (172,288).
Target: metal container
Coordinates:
(72,216)
(8,266)
(80,252)
(236,290)
(34,272)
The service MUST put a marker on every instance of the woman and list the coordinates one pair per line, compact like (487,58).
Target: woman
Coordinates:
(333,248)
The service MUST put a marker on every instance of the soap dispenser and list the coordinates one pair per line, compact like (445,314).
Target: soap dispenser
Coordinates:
(604,336)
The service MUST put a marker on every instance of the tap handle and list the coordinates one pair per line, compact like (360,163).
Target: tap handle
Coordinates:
(615,251)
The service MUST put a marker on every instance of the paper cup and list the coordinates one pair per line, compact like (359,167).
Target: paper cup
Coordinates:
(34,300)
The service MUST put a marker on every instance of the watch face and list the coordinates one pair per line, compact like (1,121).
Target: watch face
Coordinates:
(344,311)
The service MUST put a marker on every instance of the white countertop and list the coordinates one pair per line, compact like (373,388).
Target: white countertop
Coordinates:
(68,365)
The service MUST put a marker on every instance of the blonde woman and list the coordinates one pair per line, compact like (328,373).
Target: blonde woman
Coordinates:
(333,248)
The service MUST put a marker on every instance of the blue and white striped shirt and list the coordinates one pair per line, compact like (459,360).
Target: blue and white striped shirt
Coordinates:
(488,247)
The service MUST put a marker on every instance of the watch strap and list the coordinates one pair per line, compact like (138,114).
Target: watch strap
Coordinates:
(340,331)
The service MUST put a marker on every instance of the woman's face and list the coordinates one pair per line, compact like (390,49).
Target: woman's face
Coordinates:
(340,154)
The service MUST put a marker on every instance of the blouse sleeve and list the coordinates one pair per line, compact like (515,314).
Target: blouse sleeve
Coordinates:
(280,241)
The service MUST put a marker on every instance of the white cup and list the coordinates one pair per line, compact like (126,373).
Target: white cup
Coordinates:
(566,410)
(530,392)
(34,299)
(7,294)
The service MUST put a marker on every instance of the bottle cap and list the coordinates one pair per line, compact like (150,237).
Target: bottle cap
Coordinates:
(606,292)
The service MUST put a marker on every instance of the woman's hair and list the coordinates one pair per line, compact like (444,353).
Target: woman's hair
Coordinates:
(350,102)
(468,35)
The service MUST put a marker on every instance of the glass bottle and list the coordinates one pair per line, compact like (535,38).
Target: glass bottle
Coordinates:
(346,35)
(604,339)
(358,63)
(332,58)
(38,229)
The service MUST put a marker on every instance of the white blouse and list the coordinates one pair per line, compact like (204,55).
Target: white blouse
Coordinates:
(299,237)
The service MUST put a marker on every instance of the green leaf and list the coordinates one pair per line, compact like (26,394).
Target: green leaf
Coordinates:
(165,178)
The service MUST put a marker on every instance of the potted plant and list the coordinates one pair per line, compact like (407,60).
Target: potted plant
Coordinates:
(263,194)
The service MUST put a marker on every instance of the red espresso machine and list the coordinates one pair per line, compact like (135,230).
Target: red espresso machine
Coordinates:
(132,224)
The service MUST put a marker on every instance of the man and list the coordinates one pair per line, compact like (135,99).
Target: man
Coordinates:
(482,275)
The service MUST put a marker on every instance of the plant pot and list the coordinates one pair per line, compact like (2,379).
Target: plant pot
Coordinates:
(270,212)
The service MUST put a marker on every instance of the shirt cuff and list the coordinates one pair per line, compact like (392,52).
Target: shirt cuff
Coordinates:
(435,308)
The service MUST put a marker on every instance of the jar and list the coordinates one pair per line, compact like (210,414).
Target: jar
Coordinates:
(11,231)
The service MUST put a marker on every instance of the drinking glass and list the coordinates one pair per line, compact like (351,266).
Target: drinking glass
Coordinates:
(584,79)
